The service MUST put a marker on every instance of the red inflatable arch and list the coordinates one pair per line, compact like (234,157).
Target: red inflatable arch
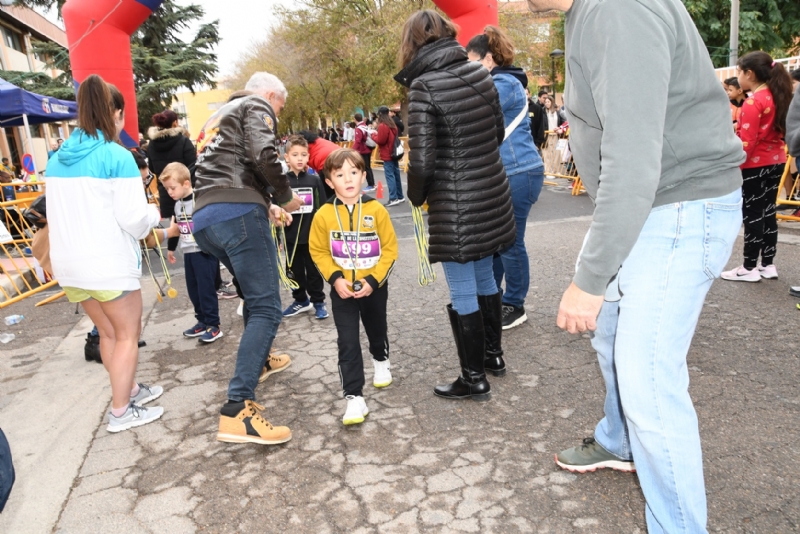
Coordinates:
(99,36)
(471,16)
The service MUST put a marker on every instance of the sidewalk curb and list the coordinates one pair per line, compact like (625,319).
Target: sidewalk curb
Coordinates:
(51,427)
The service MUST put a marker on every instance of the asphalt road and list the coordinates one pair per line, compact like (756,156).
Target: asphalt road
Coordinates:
(419,464)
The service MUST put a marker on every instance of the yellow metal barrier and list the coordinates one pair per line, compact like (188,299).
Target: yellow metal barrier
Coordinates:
(792,193)
(20,274)
(558,162)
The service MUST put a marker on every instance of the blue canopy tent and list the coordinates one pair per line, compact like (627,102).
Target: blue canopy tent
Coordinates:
(19,107)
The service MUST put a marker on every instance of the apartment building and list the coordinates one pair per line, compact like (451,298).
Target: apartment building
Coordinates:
(20,29)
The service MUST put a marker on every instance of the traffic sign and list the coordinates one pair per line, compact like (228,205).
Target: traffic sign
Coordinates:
(27,163)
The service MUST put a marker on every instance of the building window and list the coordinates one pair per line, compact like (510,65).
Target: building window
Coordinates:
(12,39)
(541,32)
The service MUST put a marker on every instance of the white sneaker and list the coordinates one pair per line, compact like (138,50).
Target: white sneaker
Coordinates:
(740,274)
(146,394)
(383,376)
(240,309)
(134,416)
(770,272)
(356,410)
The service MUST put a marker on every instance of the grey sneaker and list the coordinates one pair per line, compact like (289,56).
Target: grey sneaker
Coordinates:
(146,394)
(591,456)
(133,416)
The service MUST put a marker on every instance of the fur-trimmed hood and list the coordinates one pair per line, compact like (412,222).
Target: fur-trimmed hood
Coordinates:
(154,132)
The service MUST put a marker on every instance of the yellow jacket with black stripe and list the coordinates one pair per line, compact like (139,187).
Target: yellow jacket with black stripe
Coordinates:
(325,242)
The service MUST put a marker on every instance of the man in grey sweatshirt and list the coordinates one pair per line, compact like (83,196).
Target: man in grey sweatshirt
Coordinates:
(793,125)
(662,167)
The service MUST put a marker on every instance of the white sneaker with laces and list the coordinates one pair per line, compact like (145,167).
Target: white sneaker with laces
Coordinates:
(134,416)
(383,376)
(146,394)
(356,410)
(740,274)
(770,272)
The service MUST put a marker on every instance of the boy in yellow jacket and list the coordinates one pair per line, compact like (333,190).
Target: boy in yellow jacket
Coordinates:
(353,244)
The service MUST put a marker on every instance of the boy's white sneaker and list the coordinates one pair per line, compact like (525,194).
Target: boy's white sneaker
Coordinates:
(770,272)
(383,376)
(356,410)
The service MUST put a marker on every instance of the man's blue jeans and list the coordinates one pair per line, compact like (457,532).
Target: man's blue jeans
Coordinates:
(642,341)
(244,245)
(468,280)
(391,169)
(525,189)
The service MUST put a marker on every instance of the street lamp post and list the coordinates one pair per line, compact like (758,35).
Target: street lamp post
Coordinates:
(553,55)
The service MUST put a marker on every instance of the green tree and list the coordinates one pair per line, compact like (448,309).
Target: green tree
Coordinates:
(769,25)
(333,56)
(162,62)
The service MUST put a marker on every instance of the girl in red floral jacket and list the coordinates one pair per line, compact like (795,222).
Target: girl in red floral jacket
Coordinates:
(762,125)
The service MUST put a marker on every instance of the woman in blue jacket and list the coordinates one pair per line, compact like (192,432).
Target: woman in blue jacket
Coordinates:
(524,166)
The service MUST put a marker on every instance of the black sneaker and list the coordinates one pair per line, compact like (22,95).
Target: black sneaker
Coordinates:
(513,316)
(794,291)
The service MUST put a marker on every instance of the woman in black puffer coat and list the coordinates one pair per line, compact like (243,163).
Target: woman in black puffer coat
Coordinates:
(455,128)
(168,143)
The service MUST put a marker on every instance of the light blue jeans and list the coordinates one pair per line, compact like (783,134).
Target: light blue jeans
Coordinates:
(642,341)
(525,189)
(468,280)
(391,170)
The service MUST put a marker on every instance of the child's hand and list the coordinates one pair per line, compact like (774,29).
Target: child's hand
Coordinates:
(343,288)
(171,257)
(366,290)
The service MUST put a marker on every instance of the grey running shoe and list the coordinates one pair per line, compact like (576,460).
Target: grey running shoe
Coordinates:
(133,416)
(591,456)
(146,394)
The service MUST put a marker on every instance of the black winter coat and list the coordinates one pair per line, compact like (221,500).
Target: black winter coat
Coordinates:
(169,145)
(455,128)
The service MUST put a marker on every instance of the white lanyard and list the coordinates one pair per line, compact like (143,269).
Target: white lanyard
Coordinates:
(358,234)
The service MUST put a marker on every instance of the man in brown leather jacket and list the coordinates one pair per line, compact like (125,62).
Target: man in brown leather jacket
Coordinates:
(239,185)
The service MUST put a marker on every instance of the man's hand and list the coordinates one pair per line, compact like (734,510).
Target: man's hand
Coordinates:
(173,230)
(366,290)
(171,257)
(578,310)
(294,204)
(343,288)
(279,216)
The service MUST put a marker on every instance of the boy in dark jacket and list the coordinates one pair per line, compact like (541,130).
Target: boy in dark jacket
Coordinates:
(310,294)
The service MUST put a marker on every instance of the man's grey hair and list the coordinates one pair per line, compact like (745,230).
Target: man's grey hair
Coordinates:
(263,83)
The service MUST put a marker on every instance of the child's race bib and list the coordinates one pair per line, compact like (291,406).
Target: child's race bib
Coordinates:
(368,249)
(306,194)
(186,228)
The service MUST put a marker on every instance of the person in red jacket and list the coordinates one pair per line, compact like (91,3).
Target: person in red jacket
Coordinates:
(360,146)
(385,137)
(318,151)
(762,125)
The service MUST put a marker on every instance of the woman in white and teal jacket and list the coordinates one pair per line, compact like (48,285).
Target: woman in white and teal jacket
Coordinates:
(97,212)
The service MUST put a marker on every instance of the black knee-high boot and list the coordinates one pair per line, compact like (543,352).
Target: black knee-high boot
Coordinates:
(492,311)
(469,335)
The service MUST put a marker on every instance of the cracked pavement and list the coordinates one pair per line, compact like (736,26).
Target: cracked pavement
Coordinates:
(418,463)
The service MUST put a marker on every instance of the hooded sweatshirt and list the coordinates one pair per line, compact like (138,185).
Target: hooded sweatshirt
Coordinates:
(97,212)
(649,122)
(793,125)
